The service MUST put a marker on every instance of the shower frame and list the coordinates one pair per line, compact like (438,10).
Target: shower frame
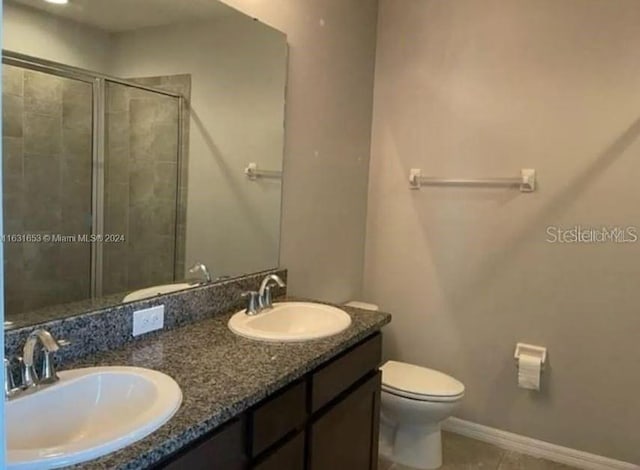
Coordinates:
(98,82)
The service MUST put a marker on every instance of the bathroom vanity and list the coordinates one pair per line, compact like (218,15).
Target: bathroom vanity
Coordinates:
(328,419)
(245,403)
(108,203)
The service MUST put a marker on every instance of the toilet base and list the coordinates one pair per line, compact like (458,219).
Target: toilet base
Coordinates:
(387,436)
(418,447)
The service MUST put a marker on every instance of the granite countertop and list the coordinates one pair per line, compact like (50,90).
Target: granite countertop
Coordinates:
(220,374)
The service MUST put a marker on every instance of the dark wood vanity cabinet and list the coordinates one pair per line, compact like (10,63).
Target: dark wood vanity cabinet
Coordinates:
(225,449)
(290,455)
(327,420)
(346,436)
(276,418)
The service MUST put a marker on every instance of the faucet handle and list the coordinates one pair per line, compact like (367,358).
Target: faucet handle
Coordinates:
(10,388)
(253,302)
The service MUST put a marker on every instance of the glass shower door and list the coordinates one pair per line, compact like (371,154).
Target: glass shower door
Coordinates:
(47,188)
(140,187)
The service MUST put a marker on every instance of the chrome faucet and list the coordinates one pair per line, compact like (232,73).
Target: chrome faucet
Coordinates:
(265,299)
(201,268)
(262,299)
(31,380)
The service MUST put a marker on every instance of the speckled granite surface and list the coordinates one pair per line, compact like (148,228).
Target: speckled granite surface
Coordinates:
(106,328)
(56,312)
(221,375)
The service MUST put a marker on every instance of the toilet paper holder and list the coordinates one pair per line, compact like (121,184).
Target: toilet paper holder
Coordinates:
(530,350)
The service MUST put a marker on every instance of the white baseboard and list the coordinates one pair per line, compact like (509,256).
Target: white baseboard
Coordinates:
(534,447)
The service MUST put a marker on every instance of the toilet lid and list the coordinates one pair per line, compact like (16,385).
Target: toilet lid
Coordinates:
(416,382)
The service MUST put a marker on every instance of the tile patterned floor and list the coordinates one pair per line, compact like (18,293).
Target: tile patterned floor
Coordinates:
(462,453)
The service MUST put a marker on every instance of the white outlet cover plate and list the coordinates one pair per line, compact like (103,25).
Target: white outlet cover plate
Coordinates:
(149,319)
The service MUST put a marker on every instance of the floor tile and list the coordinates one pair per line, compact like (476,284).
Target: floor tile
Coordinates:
(384,464)
(515,461)
(463,453)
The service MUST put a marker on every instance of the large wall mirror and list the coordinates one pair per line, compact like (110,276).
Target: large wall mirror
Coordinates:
(142,139)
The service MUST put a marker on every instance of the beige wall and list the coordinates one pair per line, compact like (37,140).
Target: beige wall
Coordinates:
(238,76)
(484,88)
(328,120)
(30,31)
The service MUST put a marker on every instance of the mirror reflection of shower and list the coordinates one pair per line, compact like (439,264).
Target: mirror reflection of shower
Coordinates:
(91,184)
(137,128)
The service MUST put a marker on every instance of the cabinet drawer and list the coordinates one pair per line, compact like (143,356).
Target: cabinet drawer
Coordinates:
(337,376)
(224,449)
(288,457)
(277,417)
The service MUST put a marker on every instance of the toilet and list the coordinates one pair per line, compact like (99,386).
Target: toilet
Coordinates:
(415,401)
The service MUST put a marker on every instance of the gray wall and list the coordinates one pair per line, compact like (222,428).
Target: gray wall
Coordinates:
(328,122)
(484,88)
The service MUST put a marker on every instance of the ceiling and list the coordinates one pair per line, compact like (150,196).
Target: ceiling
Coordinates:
(124,15)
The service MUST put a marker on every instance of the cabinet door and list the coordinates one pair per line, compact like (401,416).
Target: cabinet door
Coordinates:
(346,436)
(343,372)
(290,456)
(276,417)
(222,451)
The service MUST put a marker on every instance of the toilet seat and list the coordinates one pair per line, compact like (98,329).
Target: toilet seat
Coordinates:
(420,383)
(418,397)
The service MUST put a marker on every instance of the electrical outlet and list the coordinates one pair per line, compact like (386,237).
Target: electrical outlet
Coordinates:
(149,319)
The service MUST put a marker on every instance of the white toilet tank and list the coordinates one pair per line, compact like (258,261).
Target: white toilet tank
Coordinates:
(362,305)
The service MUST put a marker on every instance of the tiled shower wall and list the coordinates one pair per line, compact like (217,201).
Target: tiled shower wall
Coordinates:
(47,143)
(141,182)
(180,84)
(47,164)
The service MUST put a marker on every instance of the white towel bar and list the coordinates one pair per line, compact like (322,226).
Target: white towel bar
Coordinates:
(526,182)
(254,173)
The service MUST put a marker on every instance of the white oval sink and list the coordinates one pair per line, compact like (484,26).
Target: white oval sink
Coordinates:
(291,321)
(88,413)
(156,290)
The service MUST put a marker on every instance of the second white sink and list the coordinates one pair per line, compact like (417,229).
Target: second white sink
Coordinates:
(156,290)
(291,321)
(88,413)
